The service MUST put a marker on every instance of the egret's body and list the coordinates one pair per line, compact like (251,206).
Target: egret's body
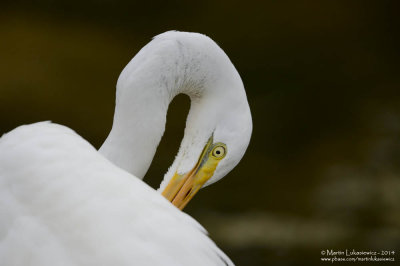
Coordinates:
(80,209)
(64,203)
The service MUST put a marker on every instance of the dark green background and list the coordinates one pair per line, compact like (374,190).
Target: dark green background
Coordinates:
(322,78)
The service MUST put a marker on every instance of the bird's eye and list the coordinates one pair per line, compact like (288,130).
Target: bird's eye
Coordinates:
(219,151)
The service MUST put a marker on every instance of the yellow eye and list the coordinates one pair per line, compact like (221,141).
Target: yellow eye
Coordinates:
(219,151)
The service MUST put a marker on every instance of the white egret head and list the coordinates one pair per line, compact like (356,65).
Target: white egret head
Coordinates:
(218,127)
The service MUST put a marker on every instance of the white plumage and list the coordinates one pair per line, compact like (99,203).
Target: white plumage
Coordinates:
(80,209)
(64,203)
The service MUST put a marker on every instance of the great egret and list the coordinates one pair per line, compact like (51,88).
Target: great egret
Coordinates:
(64,203)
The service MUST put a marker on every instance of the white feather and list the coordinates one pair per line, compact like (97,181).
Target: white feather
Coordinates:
(63,203)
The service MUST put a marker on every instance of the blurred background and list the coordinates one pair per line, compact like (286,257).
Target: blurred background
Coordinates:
(322,170)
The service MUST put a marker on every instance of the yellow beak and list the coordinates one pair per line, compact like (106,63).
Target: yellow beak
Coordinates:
(182,188)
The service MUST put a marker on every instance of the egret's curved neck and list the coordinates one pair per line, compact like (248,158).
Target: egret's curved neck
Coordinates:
(139,122)
(161,70)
